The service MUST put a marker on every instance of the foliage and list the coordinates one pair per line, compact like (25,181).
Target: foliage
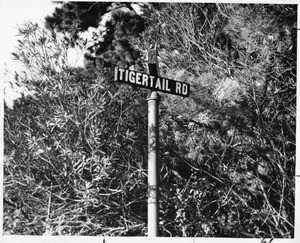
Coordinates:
(115,48)
(233,140)
(76,16)
(78,148)
(110,44)
(74,151)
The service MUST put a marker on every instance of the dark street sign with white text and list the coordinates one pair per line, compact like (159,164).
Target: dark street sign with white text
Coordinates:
(151,82)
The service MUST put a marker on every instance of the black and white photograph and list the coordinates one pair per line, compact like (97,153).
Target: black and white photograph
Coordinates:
(149,120)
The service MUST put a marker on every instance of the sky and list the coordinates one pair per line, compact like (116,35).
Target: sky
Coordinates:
(14,13)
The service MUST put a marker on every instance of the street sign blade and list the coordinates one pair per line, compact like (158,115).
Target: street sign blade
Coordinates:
(151,82)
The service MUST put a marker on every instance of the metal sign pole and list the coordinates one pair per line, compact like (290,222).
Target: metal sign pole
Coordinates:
(154,82)
(153,150)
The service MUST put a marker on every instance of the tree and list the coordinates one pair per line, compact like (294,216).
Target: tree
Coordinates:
(237,171)
(111,43)
(75,17)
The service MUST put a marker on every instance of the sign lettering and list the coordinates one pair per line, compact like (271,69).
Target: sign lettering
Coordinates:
(151,82)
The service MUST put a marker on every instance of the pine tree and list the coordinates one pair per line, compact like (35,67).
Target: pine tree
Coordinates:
(111,44)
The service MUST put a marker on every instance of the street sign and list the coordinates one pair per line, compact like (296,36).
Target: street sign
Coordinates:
(155,83)
(151,82)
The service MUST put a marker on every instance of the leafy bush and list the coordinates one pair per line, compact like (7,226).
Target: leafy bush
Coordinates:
(74,150)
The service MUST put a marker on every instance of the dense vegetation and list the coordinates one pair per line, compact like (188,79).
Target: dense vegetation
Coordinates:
(76,151)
